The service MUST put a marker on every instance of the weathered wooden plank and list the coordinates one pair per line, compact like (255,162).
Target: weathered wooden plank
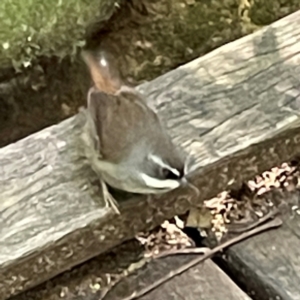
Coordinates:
(231,108)
(204,281)
(268,265)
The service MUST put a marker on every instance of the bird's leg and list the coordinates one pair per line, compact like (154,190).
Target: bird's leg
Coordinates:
(108,198)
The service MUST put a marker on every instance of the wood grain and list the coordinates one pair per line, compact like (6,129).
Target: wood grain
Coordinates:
(268,265)
(204,281)
(234,109)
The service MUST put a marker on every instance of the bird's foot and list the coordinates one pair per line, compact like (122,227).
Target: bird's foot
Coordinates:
(108,198)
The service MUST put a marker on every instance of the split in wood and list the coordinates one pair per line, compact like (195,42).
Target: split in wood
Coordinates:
(206,252)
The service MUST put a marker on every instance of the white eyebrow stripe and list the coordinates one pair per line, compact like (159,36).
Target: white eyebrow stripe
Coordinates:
(160,184)
(159,161)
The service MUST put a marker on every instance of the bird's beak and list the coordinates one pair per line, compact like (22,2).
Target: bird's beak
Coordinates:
(185,182)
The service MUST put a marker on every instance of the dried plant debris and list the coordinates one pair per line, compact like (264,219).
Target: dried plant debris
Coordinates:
(168,236)
(249,202)
(226,209)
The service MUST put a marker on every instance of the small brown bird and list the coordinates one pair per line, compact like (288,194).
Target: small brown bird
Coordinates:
(125,142)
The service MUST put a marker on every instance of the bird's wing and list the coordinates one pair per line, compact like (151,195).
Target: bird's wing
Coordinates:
(121,122)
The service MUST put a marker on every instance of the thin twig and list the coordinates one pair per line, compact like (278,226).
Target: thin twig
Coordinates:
(254,224)
(272,224)
(204,250)
(197,250)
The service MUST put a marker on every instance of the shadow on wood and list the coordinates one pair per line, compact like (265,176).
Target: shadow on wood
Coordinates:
(233,109)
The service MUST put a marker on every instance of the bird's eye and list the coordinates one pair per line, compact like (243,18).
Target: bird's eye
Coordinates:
(168,174)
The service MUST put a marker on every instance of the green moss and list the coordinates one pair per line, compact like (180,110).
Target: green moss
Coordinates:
(33,28)
(264,12)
